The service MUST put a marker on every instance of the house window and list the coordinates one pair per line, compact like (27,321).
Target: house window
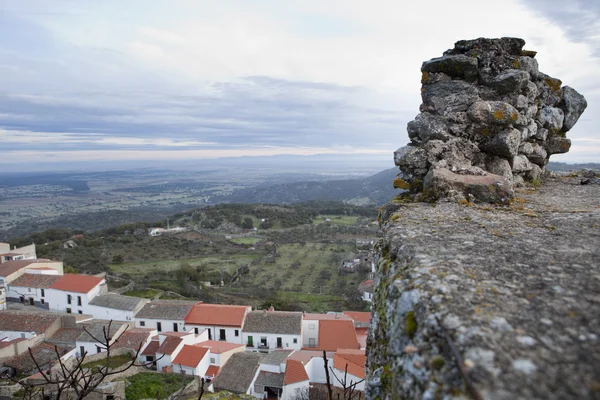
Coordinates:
(42,301)
(237,333)
(263,341)
(98,349)
(312,342)
(42,293)
(221,334)
(295,340)
(250,342)
(159,326)
(68,311)
(29,290)
(279,342)
(196,331)
(68,299)
(22,336)
(78,300)
(81,351)
(212,360)
(311,326)
(175,327)
(142,323)
(79,312)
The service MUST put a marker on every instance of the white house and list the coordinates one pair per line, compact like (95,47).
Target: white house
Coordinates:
(310,327)
(32,288)
(27,324)
(220,352)
(192,360)
(17,253)
(354,361)
(269,330)
(164,315)
(72,293)
(171,343)
(366,289)
(296,381)
(223,322)
(115,306)
(92,339)
(11,270)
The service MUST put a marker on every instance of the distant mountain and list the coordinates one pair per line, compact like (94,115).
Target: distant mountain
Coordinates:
(375,189)
(559,166)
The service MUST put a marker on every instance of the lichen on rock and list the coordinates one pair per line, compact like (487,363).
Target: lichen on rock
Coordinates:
(490,94)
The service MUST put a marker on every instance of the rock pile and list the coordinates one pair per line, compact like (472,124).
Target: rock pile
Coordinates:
(489,120)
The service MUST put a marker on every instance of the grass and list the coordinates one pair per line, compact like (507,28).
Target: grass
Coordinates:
(246,240)
(143,293)
(114,362)
(147,385)
(336,219)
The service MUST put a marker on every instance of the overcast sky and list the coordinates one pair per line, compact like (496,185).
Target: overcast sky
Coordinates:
(177,79)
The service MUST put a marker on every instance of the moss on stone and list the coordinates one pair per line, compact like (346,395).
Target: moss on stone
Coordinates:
(554,84)
(411,324)
(437,362)
(401,184)
(424,77)
(498,115)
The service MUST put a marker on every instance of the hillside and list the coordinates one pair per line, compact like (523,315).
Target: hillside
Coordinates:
(376,189)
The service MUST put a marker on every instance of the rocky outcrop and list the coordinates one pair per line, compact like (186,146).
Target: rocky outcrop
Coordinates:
(489,302)
(487,111)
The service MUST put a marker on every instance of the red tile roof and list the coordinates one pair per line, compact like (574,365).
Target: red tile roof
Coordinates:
(294,372)
(132,338)
(77,283)
(169,345)
(304,356)
(27,321)
(369,283)
(359,316)
(219,347)
(337,334)
(10,267)
(217,315)
(190,356)
(151,349)
(213,371)
(355,360)
(35,280)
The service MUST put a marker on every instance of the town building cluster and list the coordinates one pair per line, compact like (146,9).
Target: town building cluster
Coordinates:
(264,353)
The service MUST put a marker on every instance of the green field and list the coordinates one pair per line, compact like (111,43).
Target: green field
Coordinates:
(336,219)
(143,293)
(148,385)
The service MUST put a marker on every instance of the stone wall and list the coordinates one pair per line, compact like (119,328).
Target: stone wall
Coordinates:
(489,121)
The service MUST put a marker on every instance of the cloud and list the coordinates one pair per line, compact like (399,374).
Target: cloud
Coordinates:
(198,75)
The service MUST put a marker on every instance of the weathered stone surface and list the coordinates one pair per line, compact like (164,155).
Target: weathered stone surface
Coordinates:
(412,160)
(551,118)
(427,127)
(573,104)
(509,81)
(558,145)
(489,188)
(499,166)
(458,66)
(513,289)
(485,98)
(505,144)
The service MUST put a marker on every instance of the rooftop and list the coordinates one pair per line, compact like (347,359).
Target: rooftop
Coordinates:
(238,372)
(279,322)
(218,347)
(276,357)
(27,321)
(132,338)
(43,353)
(169,345)
(355,360)
(77,283)
(190,356)
(270,379)
(151,349)
(334,335)
(320,317)
(359,316)
(217,315)
(10,267)
(166,309)
(213,370)
(118,302)
(294,372)
(35,281)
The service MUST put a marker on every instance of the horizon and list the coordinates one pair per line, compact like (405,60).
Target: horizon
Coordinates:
(87,83)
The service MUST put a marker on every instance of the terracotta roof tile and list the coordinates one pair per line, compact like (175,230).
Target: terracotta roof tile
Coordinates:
(294,372)
(35,280)
(354,359)
(132,338)
(190,356)
(219,347)
(169,345)
(337,334)
(359,316)
(10,267)
(151,349)
(217,315)
(213,371)
(77,283)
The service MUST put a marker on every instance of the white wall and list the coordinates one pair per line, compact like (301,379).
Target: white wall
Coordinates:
(111,313)
(287,341)
(367,296)
(229,332)
(200,370)
(289,391)
(15,292)
(349,379)
(58,301)
(308,333)
(7,336)
(315,369)
(167,324)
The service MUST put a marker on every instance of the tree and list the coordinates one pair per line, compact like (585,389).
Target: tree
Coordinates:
(118,259)
(73,380)
(349,391)
(247,223)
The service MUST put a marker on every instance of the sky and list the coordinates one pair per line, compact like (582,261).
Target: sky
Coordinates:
(109,81)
